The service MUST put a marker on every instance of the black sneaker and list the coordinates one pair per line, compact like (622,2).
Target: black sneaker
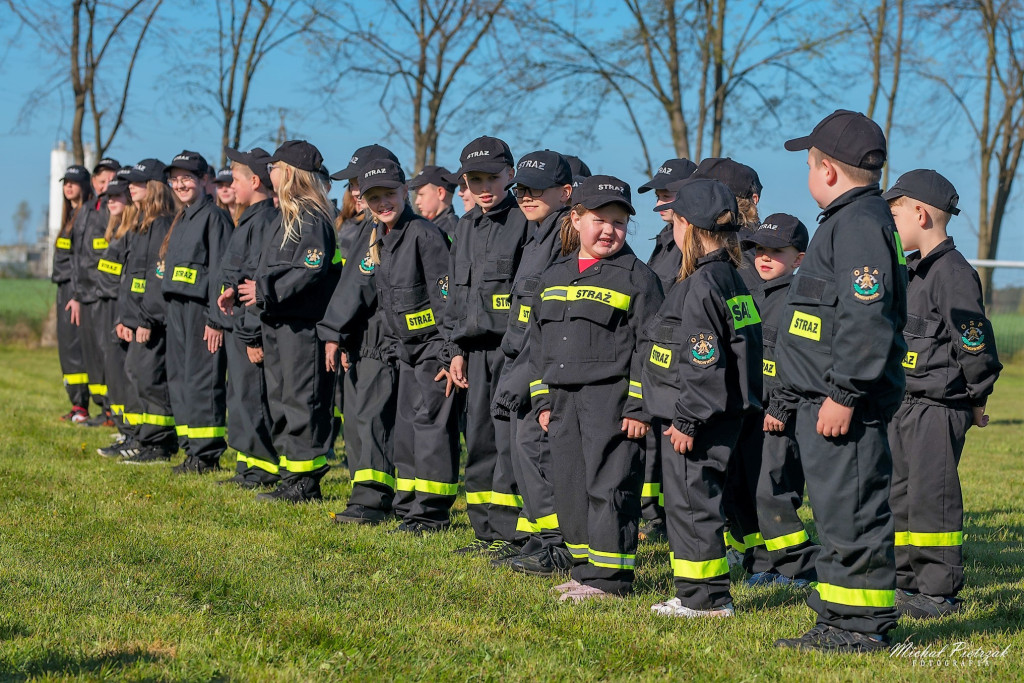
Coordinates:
(417,528)
(150,455)
(297,490)
(238,479)
(542,563)
(902,596)
(500,551)
(127,446)
(824,638)
(104,419)
(477,546)
(652,531)
(921,606)
(359,514)
(195,466)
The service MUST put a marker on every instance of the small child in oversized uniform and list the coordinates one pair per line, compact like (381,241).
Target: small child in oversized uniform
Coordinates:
(839,352)
(665,261)
(701,376)
(433,190)
(484,257)
(410,255)
(250,430)
(951,366)
(190,257)
(584,330)
(779,243)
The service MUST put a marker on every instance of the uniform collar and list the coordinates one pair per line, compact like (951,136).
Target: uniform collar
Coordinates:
(253,209)
(916,263)
(848,197)
(197,205)
(623,258)
(552,223)
(665,238)
(504,206)
(395,234)
(447,210)
(717,255)
(784,281)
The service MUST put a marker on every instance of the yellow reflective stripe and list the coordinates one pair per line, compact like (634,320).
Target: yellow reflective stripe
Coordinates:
(805,325)
(524,313)
(526,526)
(374,475)
(787,541)
(63,243)
(506,499)
(439,488)
(478,497)
(98,389)
(420,319)
(901,258)
(501,302)
(99,243)
(554,294)
(183,274)
(902,538)
(599,294)
(132,418)
(337,258)
(538,388)
(111,267)
(753,540)
(405,484)
(706,569)
(242,458)
(578,551)
(743,310)
(76,378)
(636,389)
(337,411)
(301,465)
(932,540)
(856,597)
(139,285)
(731,541)
(263,465)
(181,430)
(117,408)
(159,420)
(206,432)
(548,522)
(650,491)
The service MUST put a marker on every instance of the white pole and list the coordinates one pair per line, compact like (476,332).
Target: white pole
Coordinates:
(60,159)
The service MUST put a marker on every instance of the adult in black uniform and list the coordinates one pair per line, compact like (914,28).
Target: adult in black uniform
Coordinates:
(432,190)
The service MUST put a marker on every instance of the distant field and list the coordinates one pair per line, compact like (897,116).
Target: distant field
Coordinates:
(1009,329)
(24,305)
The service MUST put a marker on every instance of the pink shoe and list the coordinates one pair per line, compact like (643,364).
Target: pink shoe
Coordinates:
(585,592)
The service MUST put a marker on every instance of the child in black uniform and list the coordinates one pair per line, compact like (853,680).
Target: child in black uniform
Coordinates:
(585,326)
(702,375)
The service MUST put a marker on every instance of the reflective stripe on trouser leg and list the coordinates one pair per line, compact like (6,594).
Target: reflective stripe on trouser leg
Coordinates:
(532,465)
(120,389)
(146,366)
(598,475)
(856,569)
(248,412)
(693,514)
(652,506)
(436,442)
(370,396)
(69,351)
(780,493)
(95,330)
(740,493)
(927,442)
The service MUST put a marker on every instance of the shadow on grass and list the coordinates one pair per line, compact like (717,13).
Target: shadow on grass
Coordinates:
(63,664)
(1007,421)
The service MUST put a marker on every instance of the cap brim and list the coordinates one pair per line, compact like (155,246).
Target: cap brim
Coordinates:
(797,144)
(485,167)
(765,238)
(533,182)
(364,188)
(237,155)
(599,202)
(347,173)
(893,193)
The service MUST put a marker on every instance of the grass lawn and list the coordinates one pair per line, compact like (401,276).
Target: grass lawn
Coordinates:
(118,572)
(24,305)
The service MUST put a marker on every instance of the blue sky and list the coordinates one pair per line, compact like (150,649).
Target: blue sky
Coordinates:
(159,126)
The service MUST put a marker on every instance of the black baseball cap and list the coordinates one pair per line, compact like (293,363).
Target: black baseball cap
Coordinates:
(740,178)
(300,154)
(144,171)
(362,156)
(76,174)
(848,136)
(672,170)
(600,190)
(578,167)
(541,170)
(224,176)
(433,175)
(485,154)
(928,186)
(193,162)
(701,201)
(778,231)
(256,159)
(117,186)
(380,173)
(106,163)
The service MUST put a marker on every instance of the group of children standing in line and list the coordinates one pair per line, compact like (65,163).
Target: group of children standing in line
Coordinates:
(603,400)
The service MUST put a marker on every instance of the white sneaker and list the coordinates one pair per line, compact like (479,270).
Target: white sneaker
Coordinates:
(571,584)
(585,592)
(675,608)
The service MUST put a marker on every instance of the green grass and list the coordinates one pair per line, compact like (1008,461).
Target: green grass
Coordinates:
(119,572)
(24,305)
(1009,328)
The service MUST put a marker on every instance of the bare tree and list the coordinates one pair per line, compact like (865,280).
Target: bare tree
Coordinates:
(20,218)
(97,45)
(886,50)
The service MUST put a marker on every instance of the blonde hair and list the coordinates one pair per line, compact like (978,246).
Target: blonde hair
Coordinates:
(859,176)
(159,201)
(939,217)
(301,192)
(348,207)
(748,213)
(694,249)
(128,216)
(571,236)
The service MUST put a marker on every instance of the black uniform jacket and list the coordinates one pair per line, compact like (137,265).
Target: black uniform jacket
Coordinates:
(241,257)
(484,257)
(62,268)
(586,327)
(446,220)
(841,334)
(770,298)
(701,353)
(194,253)
(140,270)
(111,267)
(296,277)
(88,244)
(666,259)
(412,286)
(951,349)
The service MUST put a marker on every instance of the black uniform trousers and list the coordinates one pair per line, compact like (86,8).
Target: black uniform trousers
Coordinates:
(338,412)
(780,493)
(69,351)
(195,378)
(370,397)
(740,496)
(927,441)
(537,527)
(97,320)
(121,392)
(598,473)
(249,423)
(848,487)
(300,393)
(694,516)
(492,498)
(425,446)
(652,503)
(146,367)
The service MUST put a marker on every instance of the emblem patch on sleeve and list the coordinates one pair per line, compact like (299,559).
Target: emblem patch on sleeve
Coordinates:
(314,258)
(867,286)
(972,336)
(160,269)
(703,351)
(442,286)
(367,265)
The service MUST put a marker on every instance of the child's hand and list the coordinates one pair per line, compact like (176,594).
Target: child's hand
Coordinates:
(772,424)
(226,301)
(124,333)
(247,292)
(544,417)
(980,418)
(681,443)
(331,355)
(345,363)
(142,334)
(76,312)
(834,419)
(214,339)
(635,429)
(255,354)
